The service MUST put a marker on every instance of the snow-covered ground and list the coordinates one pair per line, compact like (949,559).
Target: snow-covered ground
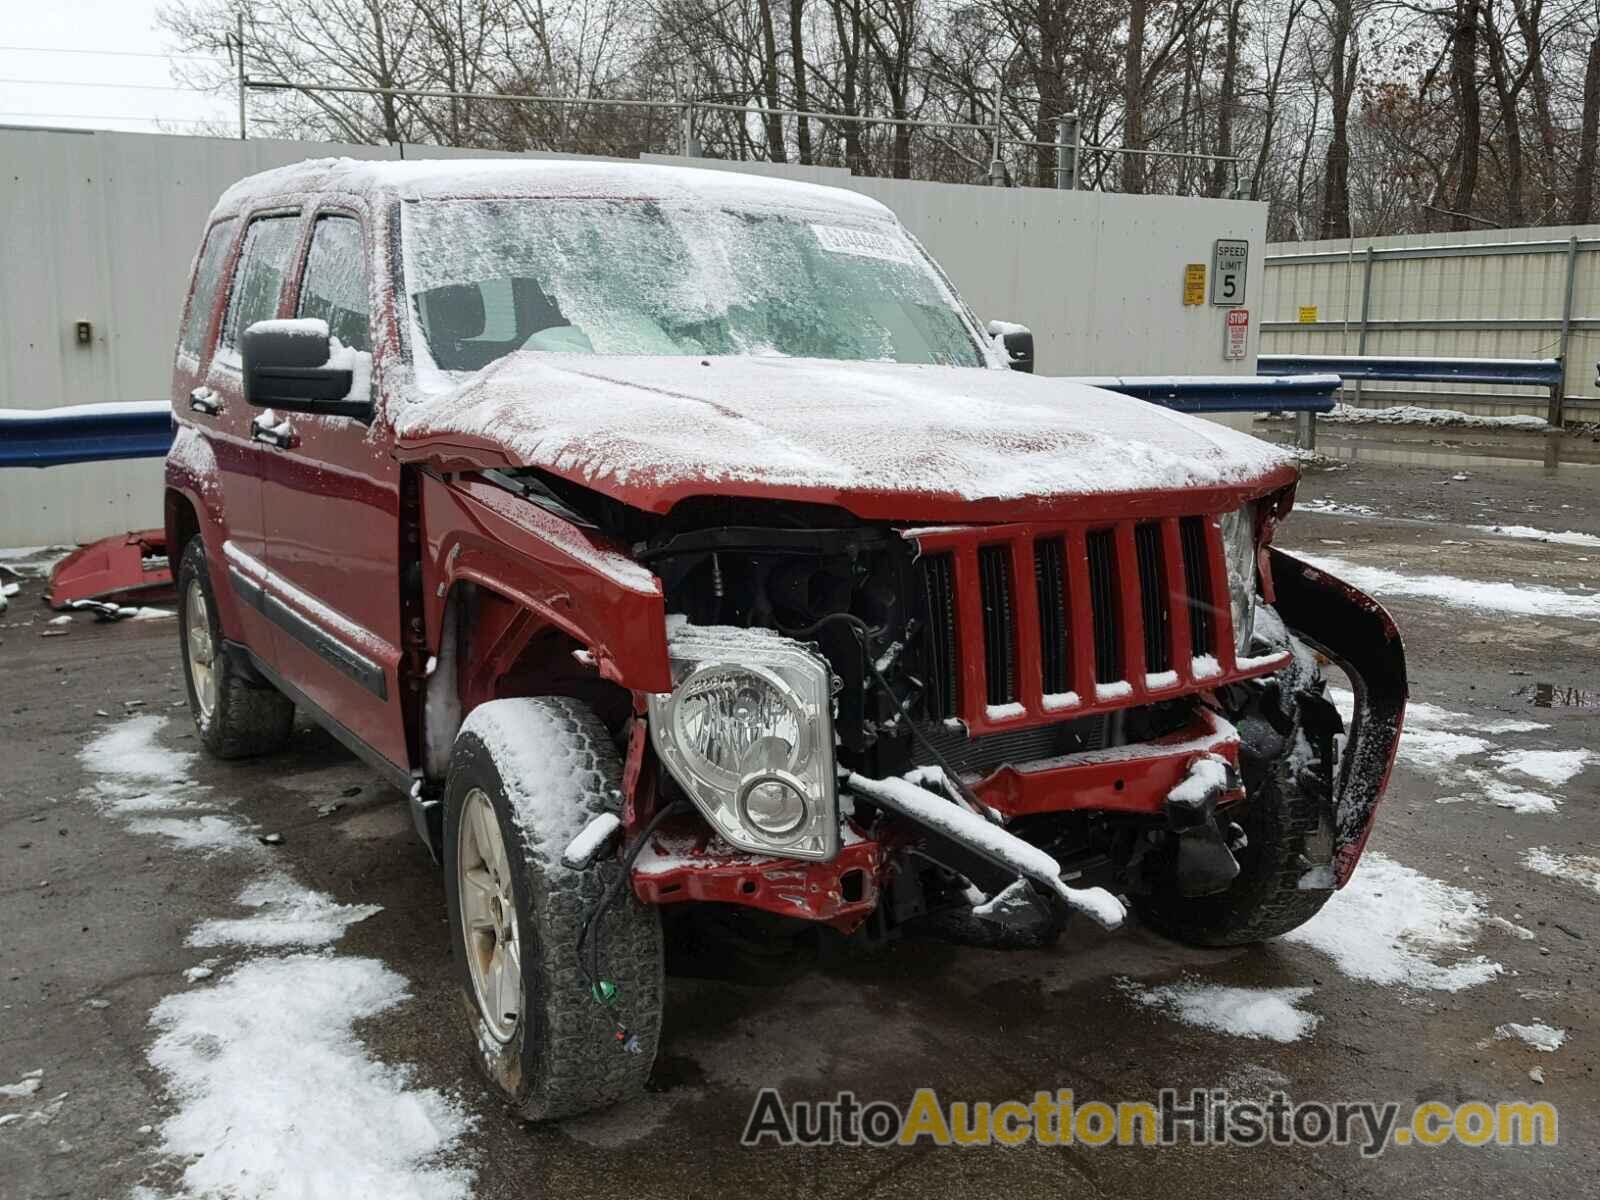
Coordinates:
(1394,925)
(270,1093)
(1413,414)
(1270,1013)
(1514,599)
(1462,754)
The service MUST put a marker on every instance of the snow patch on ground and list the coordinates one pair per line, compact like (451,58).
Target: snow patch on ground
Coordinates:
(131,766)
(1421,714)
(1554,767)
(1479,595)
(279,1099)
(276,1098)
(1538,1035)
(1581,869)
(26,1086)
(1412,414)
(287,915)
(1528,533)
(1396,926)
(135,777)
(1433,749)
(210,833)
(1332,508)
(1432,742)
(1510,796)
(1269,1013)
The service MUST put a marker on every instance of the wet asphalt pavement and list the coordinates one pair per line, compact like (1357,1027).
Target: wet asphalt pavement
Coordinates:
(92,913)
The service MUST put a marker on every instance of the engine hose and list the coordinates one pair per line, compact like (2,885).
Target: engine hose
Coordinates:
(602,990)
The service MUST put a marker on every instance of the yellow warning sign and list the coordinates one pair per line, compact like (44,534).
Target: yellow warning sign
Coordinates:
(1308,314)
(1194,283)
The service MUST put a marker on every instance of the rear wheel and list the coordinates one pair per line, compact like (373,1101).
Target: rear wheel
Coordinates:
(1285,876)
(236,716)
(526,775)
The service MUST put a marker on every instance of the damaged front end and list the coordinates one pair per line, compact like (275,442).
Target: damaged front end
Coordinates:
(985,730)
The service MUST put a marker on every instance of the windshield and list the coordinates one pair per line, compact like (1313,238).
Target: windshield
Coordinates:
(487,277)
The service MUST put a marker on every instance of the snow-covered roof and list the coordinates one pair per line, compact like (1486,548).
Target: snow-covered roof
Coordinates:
(541,177)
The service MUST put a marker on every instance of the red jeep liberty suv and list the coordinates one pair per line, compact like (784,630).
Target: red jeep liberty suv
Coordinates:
(683,547)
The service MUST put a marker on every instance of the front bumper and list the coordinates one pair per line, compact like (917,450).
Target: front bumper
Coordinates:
(1354,631)
(686,863)
(1350,628)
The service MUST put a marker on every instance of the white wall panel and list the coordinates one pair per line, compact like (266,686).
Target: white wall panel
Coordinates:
(103,227)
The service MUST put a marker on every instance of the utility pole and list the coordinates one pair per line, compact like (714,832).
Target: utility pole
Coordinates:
(1067,152)
(997,166)
(238,38)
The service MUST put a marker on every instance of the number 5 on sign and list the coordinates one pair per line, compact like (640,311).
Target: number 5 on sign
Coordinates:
(1229,261)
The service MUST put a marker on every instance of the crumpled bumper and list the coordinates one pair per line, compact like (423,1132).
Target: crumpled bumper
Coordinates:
(1355,632)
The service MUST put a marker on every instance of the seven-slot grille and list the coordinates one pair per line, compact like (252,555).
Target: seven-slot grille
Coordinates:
(1037,621)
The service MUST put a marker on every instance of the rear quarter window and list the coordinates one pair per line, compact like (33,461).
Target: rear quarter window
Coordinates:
(207,283)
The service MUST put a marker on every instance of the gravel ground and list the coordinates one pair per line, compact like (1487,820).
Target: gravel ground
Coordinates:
(94,920)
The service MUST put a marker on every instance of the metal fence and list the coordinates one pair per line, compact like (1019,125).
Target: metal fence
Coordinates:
(1493,294)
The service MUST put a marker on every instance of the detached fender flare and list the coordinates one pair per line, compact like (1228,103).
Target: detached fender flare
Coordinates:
(1358,634)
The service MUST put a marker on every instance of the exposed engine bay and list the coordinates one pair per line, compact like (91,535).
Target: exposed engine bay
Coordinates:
(865,599)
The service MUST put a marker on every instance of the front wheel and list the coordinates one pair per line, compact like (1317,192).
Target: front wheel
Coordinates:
(526,775)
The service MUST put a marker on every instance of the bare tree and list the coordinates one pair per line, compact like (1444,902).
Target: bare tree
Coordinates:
(1582,211)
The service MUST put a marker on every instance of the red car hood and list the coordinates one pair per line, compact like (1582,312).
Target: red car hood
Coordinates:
(882,440)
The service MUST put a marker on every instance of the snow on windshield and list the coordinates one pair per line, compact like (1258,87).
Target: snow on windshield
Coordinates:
(671,277)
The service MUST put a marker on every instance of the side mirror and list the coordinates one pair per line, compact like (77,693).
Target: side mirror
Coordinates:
(1018,341)
(286,366)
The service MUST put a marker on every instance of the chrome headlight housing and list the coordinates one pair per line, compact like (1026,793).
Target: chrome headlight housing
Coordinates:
(747,731)
(1239,552)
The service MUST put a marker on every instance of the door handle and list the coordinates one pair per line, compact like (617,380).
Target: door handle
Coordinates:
(274,432)
(204,400)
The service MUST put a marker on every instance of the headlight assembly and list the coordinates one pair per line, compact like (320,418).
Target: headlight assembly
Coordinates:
(1239,551)
(747,731)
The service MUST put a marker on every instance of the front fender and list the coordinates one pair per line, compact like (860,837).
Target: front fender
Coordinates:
(479,533)
(1356,633)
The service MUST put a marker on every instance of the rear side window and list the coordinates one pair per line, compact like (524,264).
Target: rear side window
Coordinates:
(258,280)
(335,283)
(207,280)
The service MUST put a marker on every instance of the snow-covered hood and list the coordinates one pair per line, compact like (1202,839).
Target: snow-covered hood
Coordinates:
(883,440)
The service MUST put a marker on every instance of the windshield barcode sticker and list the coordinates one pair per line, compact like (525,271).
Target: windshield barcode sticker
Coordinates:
(865,243)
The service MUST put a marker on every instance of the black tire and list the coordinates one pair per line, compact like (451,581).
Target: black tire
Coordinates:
(1288,729)
(547,766)
(249,716)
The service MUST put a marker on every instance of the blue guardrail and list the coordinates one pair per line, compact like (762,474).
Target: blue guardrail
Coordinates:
(1227,393)
(53,437)
(1524,372)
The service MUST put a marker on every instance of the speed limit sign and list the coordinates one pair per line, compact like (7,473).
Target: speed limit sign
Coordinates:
(1229,261)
